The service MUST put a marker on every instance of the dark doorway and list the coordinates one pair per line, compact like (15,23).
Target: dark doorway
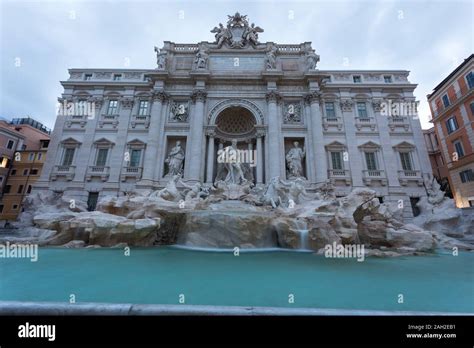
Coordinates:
(92,200)
(414,207)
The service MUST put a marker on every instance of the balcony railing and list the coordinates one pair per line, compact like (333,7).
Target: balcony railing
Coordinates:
(332,122)
(398,122)
(131,172)
(109,119)
(404,176)
(98,171)
(339,174)
(365,121)
(66,171)
(370,175)
(140,120)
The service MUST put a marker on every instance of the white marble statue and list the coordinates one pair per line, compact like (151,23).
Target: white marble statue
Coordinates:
(294,161)
(235,174)
(251,34)
(160,58)
(201,59)
(169,192)
(175,160)
(222,34)
(271,58)
(312,59)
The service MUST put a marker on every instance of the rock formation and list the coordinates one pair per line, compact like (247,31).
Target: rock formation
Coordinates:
(282,214)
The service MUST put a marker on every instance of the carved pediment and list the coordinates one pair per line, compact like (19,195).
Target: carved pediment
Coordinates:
(370,145)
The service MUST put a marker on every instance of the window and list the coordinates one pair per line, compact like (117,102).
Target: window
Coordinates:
(4,162)
(101,157)
(1,179)
(23,147)
(7,188)
(31,156)
(143,108)
(467,175)
(68,156)
(472,108)
(40,155)
(405,158)
(34,172)
(20,189)
(458,148)
(370,161)
(113,107)
(387,79)
(470,79)
(13,172)
(451,124)
(1,208)
(44,144)
(445,100)
(10,144)
(330,111)
(15,206)
(29,189)
(88,77)
(117,77)
(135,158)
(336,159)
(361,110)
(357,79)
(25,172)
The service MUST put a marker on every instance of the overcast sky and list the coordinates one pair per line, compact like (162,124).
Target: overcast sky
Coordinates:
(40,40)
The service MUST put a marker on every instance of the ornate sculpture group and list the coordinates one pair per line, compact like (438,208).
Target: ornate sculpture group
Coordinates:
(238,33)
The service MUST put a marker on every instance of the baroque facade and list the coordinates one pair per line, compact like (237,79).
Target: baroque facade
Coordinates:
(145,126)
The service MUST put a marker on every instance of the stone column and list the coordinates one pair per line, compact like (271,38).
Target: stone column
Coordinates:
(197,136)
(151,152)
(210,157)
(318,138)
(259,159)
(274,156)
(389,157)
(356,161)
(117,153)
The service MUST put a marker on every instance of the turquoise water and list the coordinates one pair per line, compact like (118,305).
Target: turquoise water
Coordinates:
(440,282)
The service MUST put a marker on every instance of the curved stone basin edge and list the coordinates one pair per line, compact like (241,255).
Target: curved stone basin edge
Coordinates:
(123,309)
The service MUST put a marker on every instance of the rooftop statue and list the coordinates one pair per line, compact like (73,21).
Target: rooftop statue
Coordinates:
(238,33)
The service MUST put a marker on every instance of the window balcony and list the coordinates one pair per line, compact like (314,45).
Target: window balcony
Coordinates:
(63,171)
(140,120)
(107,119)
(405,176)
(75,121)
(398,122)
(365,122)
(334,123)
(339,175)
(373,175)
(131,172)
(98,171)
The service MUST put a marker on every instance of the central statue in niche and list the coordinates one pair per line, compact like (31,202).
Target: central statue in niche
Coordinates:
(294,161)
(235,173)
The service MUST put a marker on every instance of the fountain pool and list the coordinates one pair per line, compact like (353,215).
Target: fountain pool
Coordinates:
(438,282)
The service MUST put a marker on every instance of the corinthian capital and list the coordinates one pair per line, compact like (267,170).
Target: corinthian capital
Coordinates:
(273,96)
(161,96)
(312,97)
(199,95)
